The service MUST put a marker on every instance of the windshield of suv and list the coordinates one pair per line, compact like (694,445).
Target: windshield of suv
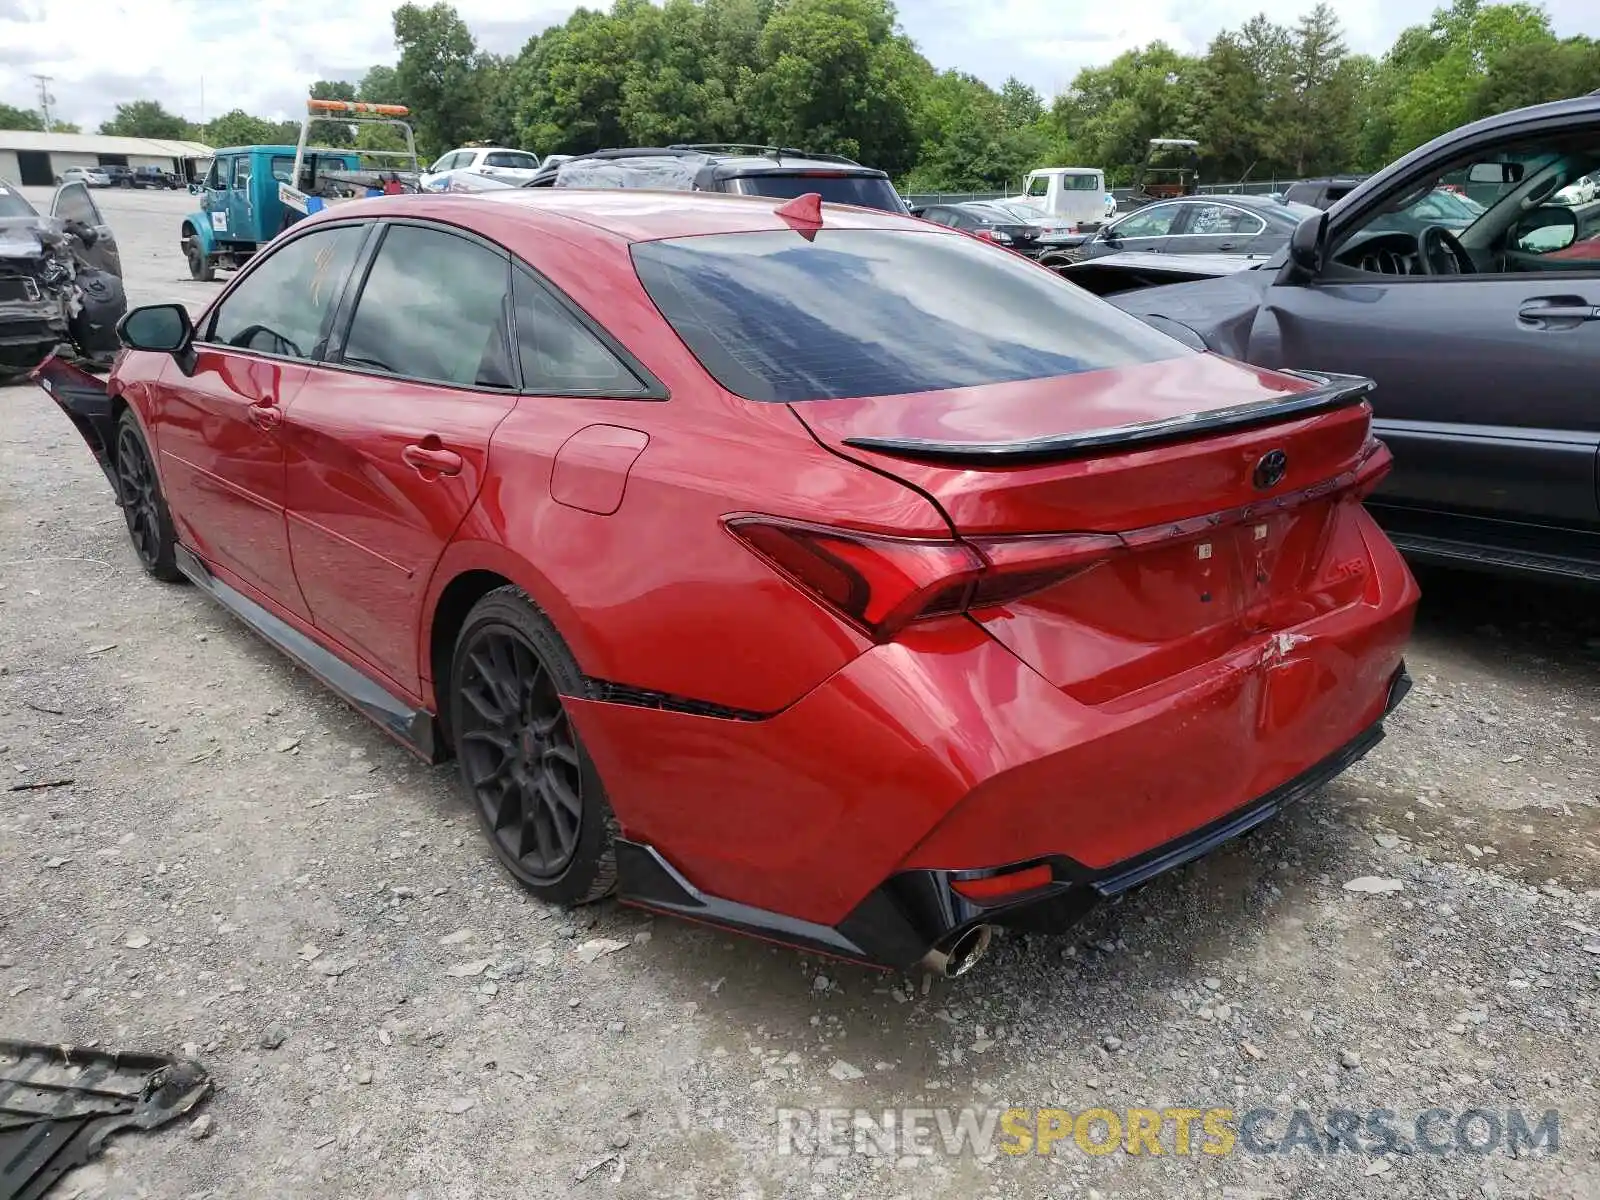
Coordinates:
(867,191)
(13,205)
(777,317)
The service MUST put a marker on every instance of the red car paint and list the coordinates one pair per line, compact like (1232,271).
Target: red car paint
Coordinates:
(1214,639)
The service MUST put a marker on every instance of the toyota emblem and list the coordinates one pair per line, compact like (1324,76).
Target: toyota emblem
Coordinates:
(1270,470)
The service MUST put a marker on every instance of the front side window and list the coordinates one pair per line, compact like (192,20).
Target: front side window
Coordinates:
(558,353)
(1155,221)
(1507,209)
(282,307)
(777,317)
(444,164)
(1039,185)
(433,308)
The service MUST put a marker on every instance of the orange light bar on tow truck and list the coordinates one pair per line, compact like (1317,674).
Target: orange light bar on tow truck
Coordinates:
(358,107)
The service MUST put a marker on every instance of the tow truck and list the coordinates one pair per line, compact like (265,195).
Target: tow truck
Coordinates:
(253,193)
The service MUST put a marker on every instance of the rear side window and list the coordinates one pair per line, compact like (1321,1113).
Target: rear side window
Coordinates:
(777,317)
(282,306)
(559,355)
(434,308)
(867,191)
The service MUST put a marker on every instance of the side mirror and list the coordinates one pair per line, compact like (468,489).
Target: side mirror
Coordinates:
(1545,230)
(1307,245)
(162,328)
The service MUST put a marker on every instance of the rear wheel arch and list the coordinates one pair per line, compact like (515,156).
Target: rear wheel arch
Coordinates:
(457,587)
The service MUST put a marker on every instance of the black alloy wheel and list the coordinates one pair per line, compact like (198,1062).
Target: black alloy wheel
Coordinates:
(143,506)
(538,796)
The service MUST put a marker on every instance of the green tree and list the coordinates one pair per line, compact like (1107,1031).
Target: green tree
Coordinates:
(1439,73)
(380,85)
(967,143)
(146,118)
(1314,129)
(436,74)
(1020,104)
(20,118)
(239,128)
(837,76)
(330,133)
(1109,114)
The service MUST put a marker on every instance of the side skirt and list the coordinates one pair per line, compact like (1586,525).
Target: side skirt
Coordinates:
(414,728)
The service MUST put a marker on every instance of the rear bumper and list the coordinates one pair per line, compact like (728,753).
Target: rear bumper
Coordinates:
(843,822)
(915,911)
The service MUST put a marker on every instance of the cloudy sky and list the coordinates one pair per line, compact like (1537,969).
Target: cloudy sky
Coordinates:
(261,56)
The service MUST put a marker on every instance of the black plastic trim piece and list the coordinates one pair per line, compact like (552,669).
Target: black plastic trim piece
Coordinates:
(649,881)
(1332,392)
(620,693)
(413,728)
(59,1104)
(912,912)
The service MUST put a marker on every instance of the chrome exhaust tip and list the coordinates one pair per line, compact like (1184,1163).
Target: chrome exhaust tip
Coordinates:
(960,954)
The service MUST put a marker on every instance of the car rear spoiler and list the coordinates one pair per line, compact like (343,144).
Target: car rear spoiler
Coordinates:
(1329,393)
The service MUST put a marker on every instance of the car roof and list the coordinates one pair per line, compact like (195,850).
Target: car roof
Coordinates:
(630,214)
(729,160)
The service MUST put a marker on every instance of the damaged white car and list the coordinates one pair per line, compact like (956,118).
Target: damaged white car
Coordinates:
(60,280)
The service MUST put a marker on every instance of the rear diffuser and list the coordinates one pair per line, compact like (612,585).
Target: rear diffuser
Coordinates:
(59,1104)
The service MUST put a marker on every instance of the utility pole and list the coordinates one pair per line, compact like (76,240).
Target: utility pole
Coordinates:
(45,99)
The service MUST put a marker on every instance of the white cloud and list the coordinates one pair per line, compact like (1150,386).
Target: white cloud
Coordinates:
(262,57)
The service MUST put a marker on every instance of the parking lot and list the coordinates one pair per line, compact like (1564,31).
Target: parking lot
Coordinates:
(238,867)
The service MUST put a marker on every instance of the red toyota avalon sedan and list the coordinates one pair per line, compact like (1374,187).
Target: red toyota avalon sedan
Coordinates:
(810,571)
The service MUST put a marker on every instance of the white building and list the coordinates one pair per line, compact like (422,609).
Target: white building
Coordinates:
(37,159)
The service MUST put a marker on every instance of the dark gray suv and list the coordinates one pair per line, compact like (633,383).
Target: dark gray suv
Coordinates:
(746,170)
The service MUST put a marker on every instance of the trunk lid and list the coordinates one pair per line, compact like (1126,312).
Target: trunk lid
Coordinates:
(1225,487)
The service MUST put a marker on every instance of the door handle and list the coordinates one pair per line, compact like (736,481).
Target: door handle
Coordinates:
(1567,308)
(264,414)
(1227,246)
(431,458)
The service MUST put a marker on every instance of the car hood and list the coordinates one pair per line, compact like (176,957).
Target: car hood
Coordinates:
(1220,310)
(28,237)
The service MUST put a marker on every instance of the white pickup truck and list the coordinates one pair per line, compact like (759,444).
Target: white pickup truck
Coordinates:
(1076,195)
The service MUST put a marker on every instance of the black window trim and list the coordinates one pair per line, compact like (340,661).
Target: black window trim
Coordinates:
(207,329)
(652,387)
(336,330)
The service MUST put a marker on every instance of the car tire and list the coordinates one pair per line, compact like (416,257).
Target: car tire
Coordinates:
(144,508)
(537,792)
(201,268)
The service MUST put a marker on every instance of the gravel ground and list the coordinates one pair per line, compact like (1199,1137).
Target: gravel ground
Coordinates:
(244,870)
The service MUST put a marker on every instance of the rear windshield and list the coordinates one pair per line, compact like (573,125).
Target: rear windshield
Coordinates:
(777,317)
(868,191)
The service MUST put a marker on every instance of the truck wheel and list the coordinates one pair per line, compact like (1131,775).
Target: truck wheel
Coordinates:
(201,267)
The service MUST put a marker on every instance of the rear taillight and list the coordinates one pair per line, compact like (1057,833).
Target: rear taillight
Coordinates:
(883,583)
